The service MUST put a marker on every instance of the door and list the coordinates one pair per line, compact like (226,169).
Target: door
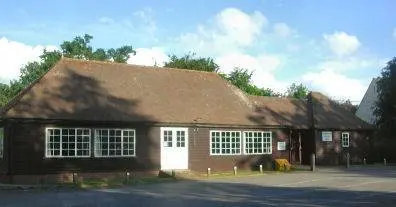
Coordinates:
(174,148)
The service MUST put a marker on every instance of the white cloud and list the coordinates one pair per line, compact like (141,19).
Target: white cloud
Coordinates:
(262,66)
(261,62)
(282,29)
(228,35)
(230,30)
(341,43)
(351,63)
(394,33)
(335,85)
(149,57)
(13,55)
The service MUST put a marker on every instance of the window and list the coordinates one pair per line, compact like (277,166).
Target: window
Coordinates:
(258,142)
(1,142)
(68,142)
(345,139)
(114,142)
(168,138)
(225,142)
(180,139)
(327,136)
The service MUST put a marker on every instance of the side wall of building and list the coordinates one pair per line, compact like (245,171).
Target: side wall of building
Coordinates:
(333,153)
(27,155)
(201,160)
(28,151)
(4,158)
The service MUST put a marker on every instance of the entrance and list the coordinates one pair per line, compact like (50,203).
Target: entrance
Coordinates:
(174,148)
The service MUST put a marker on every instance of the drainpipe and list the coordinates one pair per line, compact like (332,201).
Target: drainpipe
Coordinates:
(312,119)
(290,146)
(299,148)
(7,134)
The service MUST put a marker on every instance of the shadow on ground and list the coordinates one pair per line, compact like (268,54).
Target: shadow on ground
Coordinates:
(369,170)
(202,193)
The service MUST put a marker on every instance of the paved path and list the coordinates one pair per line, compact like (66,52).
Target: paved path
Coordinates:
(328,187)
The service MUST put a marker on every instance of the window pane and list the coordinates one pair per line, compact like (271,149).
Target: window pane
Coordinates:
(255,143)
(225,142)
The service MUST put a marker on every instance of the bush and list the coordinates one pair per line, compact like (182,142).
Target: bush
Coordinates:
(265,160)
(282,165)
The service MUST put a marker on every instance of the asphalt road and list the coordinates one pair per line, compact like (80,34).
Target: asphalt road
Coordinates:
(328,187)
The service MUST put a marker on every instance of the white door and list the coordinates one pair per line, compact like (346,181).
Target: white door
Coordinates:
(174,148)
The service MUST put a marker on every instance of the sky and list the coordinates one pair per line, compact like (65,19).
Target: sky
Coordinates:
(336,47)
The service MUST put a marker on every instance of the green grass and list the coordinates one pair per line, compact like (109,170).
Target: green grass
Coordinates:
(240,173)
(113,183)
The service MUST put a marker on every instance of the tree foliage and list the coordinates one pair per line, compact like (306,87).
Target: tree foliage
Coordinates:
(241,78)
(385,112)
(386,104)
(191,62)
(346,104)
(299,91)
(78,48)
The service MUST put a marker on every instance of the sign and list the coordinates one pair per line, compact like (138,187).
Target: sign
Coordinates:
(327,136)
(281,145)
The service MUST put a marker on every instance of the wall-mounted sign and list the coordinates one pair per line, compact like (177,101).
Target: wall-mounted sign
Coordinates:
(281,145)
(327,136)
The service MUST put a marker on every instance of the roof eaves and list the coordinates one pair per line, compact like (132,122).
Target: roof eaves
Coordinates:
(17,98)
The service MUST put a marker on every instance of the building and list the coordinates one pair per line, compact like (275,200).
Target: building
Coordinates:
(102,118)
(367,106)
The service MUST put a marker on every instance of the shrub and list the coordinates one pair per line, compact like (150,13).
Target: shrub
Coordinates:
(282,165)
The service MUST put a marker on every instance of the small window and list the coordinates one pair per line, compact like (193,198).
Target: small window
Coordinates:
(345,139)
(258,142)
(1,142)
(327,136)
(68,142)
(115,142)
(225,142)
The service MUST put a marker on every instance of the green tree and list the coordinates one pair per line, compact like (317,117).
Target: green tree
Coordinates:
(386,108)
(4,90)
(241,78)
(191,62)
(346,104)
(299,91)
(78,48)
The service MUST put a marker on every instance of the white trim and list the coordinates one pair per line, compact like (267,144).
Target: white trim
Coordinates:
(221,154)
(60,142)
(183,158)
(122,143)
(262,142)
(342,139)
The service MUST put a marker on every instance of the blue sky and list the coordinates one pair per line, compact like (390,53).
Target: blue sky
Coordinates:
(335,47)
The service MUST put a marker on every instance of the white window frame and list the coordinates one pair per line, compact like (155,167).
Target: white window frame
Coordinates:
(122,143)
(262,143)
(60,143)
(327,132)
(224,154)
(347,137)
(1,142)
